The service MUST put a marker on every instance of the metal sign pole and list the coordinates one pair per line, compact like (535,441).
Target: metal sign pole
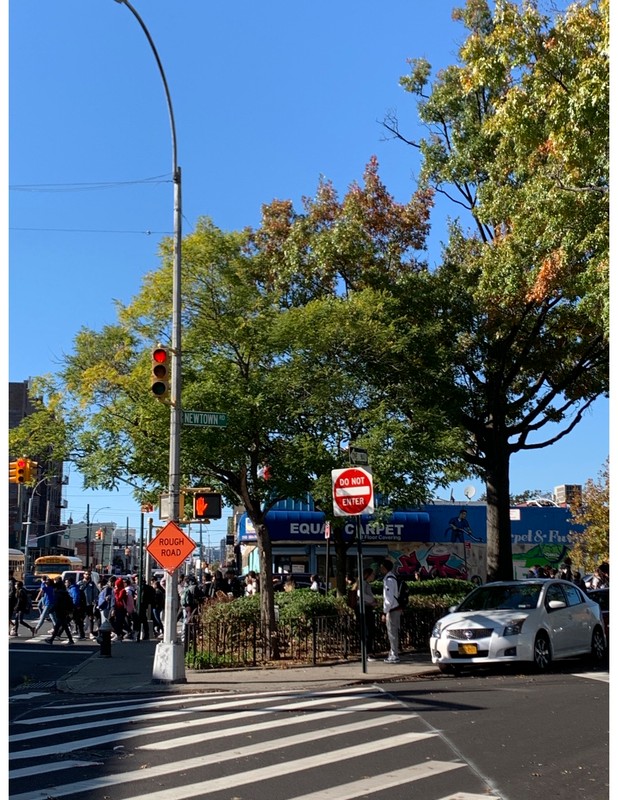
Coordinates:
(361,598)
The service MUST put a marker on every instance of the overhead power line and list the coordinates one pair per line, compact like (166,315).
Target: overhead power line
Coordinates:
(89,230)
(87,187)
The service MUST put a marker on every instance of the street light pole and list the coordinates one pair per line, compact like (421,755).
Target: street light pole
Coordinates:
(169,664)
(89,521)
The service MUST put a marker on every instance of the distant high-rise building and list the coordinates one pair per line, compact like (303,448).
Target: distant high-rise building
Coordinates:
(47,500)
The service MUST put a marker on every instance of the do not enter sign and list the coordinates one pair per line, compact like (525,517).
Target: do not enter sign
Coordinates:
(352,492)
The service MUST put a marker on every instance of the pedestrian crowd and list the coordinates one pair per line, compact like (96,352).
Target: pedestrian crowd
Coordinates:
(598,580)
(76,610)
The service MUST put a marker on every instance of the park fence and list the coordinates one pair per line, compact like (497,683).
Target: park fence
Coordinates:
(215,643)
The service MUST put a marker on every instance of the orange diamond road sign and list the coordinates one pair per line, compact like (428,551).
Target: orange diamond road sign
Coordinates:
(171,546)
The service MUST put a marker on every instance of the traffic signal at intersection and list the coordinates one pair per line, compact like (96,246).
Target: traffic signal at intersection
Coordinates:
(206,505)
(160,373)
(22,470)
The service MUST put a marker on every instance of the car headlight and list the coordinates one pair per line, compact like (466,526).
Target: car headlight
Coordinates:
(437,628)
(514,627)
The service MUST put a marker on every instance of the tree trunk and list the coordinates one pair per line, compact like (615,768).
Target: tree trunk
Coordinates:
(499,549)
(267,595)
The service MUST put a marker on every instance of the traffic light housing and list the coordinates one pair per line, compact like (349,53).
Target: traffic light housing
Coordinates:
(13,472)
(160,373)
(22,474)
(206,505)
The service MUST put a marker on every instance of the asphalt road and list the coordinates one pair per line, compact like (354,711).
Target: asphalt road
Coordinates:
(529,735)
(496,735)
(39,665)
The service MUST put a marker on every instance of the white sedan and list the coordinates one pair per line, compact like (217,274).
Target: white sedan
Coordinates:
(534,621)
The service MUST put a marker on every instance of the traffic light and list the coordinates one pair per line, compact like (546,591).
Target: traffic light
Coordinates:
(99,534)
(32,468)
(13,472)
(206,505)
(160,373)
(22,470)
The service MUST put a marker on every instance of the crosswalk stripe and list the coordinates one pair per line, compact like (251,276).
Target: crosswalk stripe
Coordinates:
(287,741)
(470,796)
(385,780)
(108,708)
(211,785)
(67,747)
(593,676)
(52,766)
(79,727)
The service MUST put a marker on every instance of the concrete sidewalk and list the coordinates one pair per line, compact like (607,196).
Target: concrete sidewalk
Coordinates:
(129,669)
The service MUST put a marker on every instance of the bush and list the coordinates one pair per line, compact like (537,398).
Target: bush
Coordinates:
(305,604)
(299,604)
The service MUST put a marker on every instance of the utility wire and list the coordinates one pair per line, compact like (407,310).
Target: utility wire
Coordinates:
(89,230)
(90,186)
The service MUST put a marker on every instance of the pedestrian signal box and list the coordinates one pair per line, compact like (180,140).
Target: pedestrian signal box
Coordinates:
(206,505)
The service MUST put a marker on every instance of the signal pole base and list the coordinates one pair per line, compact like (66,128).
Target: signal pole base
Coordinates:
(169,663)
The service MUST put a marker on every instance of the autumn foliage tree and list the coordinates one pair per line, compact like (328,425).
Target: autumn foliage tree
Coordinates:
(518,138)
(591,547)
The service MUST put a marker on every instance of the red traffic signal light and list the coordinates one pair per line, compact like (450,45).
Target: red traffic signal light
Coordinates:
(206,505)
(160,373)
(22,474)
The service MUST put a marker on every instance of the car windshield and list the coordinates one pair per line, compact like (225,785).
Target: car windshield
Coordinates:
(494,597)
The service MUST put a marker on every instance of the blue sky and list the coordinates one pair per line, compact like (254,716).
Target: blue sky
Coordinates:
(266,100)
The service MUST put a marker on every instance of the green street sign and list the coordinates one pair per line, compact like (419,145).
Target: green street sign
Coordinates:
(204,418)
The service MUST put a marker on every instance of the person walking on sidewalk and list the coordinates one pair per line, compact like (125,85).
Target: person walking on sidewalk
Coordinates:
(91,594)
(119,612)
(391,612)
(79,607)
(45,599)
(62,607)
(22,606)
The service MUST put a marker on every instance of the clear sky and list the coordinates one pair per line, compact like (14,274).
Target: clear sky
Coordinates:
(267,98)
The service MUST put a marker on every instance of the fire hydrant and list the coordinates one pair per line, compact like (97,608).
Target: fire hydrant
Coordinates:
(105,639)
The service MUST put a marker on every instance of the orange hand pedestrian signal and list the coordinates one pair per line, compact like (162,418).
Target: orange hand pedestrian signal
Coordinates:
(206,505)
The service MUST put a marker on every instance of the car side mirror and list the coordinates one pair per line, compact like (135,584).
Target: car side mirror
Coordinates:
(554,605)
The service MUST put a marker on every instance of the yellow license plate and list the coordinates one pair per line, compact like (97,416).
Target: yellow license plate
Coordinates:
(468,649)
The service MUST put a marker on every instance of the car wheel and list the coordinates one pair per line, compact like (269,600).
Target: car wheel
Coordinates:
(450,669)
(542,653)
(597,647)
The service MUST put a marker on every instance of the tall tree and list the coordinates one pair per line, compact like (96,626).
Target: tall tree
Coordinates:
(261,337)
(519,138)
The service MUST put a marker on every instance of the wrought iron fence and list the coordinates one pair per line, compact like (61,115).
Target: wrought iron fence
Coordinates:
(217,644)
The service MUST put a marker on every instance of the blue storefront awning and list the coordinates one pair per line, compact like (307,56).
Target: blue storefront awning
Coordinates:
(308,526)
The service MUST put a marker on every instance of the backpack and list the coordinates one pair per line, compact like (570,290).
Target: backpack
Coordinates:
(64,603)
(352,598)
(188,599)
(130,601)
(404,593)
(105,600)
